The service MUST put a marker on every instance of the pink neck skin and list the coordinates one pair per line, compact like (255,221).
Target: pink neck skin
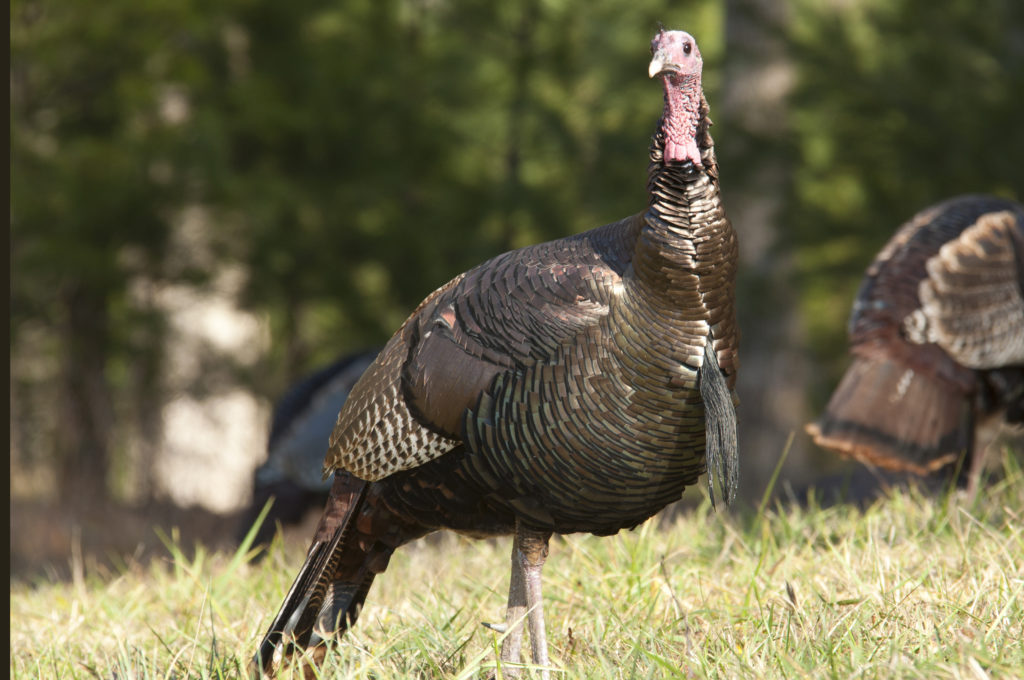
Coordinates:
(679,122)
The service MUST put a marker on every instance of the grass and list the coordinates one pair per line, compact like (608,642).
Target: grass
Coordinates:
(911,586)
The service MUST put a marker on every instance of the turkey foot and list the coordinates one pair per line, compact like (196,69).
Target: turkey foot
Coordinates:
(529,550)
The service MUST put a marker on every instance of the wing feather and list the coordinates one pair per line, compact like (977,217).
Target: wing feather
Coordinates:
(507,313)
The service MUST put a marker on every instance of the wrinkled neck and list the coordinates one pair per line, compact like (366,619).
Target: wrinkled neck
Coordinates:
(679,121)
(679,189)
(684,213)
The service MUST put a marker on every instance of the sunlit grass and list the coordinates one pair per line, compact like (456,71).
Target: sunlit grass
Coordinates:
(911,586)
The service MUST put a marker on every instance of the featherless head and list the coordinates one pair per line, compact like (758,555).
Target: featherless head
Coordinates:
(676,60)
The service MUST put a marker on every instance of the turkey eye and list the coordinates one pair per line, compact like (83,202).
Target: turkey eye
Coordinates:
(687,48)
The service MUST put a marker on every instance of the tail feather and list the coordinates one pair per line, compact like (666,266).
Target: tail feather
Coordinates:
(317,599)
(886,414)
(341,606)
(720,428)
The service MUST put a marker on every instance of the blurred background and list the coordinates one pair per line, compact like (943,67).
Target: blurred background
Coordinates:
(211,200)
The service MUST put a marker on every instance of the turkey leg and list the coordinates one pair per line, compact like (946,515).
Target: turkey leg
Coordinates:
(529,551)
(533,550)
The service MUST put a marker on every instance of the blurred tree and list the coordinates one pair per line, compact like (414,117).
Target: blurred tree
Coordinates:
(378,148)
(897,105)
(758,77)
(350,157)
(97,153)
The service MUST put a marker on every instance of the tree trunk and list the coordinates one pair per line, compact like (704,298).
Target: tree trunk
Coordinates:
(774,368)
(83,436)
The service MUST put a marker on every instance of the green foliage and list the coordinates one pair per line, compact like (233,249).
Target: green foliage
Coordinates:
(100,163)
(351,157)
(898,105)
(910,586)
(376,149)
(97,153)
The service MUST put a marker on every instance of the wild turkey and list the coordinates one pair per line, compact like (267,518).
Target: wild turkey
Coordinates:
(563,387)
(937,335)
(301,426)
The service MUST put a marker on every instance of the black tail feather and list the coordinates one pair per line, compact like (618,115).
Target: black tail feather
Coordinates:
(720,428)
(295,621)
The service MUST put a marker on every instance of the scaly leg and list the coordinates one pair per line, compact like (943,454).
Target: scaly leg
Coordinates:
(529,550)
(533,551)
(515,611)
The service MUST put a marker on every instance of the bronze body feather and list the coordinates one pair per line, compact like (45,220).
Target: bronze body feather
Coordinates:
(561,387)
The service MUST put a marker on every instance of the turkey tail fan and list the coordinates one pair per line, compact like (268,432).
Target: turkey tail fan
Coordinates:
(937,335)
(934,430)
(972,301)
(720,428)
(317,598)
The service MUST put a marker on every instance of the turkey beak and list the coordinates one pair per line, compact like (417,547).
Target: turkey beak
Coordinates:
(660,64)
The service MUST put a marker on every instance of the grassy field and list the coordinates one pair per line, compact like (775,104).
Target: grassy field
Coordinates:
(911,586)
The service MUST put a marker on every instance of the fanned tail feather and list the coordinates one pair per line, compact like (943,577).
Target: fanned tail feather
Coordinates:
(720,428)
(886,414)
